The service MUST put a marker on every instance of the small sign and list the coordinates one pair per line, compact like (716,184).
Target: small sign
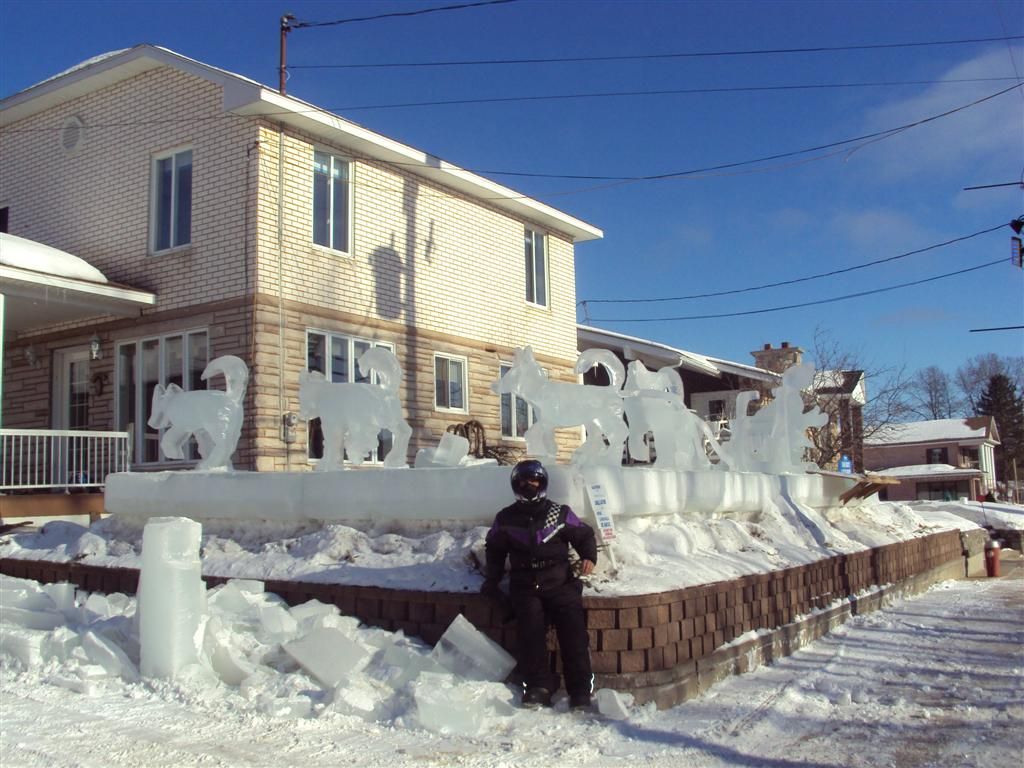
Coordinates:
(845,465)
(602,511)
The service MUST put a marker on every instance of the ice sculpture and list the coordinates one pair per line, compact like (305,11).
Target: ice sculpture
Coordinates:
(172,596)
(562,404)
(773,440)
(352,414)
(212,416)
(653,403)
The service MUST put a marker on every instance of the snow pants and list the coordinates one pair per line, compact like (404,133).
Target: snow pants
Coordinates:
(563,607)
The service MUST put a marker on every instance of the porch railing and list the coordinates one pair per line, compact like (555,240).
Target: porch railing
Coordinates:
(34,459)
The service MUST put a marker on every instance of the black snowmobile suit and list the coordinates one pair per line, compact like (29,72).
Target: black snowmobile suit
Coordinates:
(535,536)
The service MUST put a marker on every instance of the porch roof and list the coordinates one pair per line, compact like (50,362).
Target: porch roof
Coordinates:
(43,285)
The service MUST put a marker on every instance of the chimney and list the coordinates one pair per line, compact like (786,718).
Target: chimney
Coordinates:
(778,360)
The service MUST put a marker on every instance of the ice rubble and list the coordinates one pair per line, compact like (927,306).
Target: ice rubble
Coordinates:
(289,661)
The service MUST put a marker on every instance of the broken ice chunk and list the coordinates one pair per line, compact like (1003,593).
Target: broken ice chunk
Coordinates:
(310,614)
(447,706)
(32,619)
(468,653)
(226,660)
(277,623)
(611,705)
(63,595)
(401,664)
(23,644)
(328,655)
(103,652)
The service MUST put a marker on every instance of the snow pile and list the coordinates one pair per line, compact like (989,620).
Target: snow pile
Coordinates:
(653,554)
(985,514)
(259,655)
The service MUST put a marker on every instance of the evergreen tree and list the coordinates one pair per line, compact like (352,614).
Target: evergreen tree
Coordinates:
(1001,401)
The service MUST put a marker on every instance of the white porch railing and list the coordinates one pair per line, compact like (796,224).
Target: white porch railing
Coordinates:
(48,458)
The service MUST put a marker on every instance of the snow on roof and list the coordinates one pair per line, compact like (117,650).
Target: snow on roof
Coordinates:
(927,470)
(28,254)
(974,428)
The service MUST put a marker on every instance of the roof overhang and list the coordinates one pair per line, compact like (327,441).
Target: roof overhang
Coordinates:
(243,96)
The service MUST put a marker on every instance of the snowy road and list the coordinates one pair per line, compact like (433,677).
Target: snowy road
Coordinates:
(936,680)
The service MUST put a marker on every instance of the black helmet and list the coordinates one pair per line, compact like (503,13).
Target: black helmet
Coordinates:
(523,476)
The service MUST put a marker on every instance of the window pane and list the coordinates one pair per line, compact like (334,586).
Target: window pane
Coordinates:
(316,352)
(522,417)
(341,365)
(162,204)
(150,375)
(506,415)
(198,358)
(440,382)
(455,378)
(321,198)
(183,199)
(360,347)
(173,362)
(540,270)
(528,244)
(78,410)
(126,387)
(339,211)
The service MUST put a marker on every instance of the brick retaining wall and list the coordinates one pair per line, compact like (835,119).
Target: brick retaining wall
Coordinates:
(662,647)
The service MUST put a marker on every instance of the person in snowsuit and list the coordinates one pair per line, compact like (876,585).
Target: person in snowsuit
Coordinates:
(534,535)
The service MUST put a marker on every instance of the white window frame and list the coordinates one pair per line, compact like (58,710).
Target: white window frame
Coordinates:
(531,416)
(351,374)
(531,237)
(141,405)
(446,359)
(334,158)
(155,219)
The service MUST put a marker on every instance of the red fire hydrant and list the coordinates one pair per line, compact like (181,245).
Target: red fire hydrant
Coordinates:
(992,558)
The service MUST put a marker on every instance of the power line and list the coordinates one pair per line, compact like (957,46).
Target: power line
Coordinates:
(462,6)
(795,280)
(667,92)
(642,57)
(1003,328)
(766,310)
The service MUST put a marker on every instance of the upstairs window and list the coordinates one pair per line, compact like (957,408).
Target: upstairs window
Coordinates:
(449,383)
(536,268)
(332,201)
(938,456)
(171,223)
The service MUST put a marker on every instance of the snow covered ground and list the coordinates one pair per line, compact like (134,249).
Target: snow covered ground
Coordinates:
(931,681)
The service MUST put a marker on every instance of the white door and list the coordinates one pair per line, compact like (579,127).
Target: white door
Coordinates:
(70,412)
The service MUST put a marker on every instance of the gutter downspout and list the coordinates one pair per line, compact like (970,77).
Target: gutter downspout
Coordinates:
(280,289)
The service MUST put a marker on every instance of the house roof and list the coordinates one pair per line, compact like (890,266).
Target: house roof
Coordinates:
(976,429)
(656,354)
(928,471)
(243,96)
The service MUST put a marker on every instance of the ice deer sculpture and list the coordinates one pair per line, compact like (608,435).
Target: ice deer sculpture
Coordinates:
(773,440)
(353,414)
(562,404)
(212,416)
(653,401)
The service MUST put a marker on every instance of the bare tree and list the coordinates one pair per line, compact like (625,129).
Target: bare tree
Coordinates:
(859,398)
(973,376)
(930,394)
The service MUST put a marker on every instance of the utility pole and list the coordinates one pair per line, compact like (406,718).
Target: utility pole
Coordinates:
(286,27)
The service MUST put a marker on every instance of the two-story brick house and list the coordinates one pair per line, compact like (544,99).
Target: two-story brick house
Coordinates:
(243,222)
(937,459)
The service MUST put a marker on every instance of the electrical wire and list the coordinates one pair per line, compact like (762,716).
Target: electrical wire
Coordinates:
(422,11)
(795,280)
(649,56)
(818,302)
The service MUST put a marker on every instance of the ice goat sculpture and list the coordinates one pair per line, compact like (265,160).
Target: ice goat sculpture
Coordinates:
(563,404)
(212,416)
(353,414)
(773,440)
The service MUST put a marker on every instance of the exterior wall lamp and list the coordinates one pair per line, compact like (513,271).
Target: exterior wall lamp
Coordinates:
(32,357)
(95,351)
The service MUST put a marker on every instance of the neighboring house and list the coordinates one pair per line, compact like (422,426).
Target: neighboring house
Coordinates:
(940,459)
(230,219)
(710,384)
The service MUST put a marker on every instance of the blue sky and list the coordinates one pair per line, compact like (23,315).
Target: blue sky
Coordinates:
(737,228)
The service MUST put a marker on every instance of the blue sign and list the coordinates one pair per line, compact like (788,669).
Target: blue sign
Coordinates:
(845,465)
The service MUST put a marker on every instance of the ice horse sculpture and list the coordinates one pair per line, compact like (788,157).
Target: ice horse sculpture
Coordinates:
(562,404)
(773,440)
(212,416)
(352,414)
(653,402)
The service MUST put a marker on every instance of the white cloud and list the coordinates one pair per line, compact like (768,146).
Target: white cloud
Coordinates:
(986,138)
